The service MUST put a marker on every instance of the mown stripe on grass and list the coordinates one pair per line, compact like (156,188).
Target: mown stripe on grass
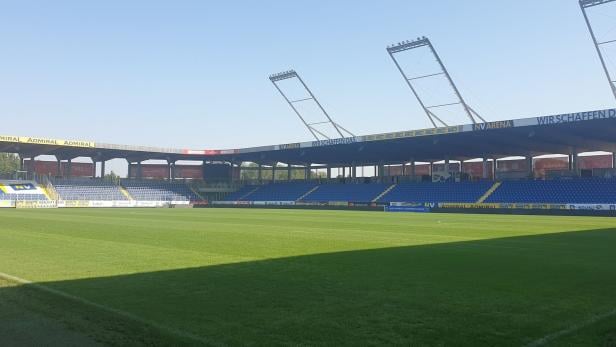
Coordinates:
(126,315)
(572,329)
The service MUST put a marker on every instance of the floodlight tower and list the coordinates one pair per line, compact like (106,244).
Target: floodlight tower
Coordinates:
(291,74)
(417,44)
(584,5)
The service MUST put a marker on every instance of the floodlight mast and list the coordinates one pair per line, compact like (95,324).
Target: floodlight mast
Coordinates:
(585,4)
(425,42)
(310,126)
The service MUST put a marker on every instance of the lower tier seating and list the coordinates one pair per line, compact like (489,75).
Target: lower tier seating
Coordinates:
(346,192)
(242,192)
(280,192)
(159,190)
(580,191)
(88,189)
(437,192)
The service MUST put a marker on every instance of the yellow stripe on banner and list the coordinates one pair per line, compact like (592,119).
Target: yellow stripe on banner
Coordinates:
(3,188)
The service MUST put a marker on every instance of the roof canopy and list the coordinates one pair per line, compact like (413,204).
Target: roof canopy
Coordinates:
(556,134)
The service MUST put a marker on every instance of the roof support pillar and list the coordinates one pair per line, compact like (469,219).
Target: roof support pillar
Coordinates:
(494,168)
(354,171)
(484,170)
(329,172)
(614,160)
(168,169)
(69,168)
(139,170)
(130,169)
(308,174)
(413,168)
(530,166)
(58,167)
(573,160)
(260,173)
(274,172)
(288,172)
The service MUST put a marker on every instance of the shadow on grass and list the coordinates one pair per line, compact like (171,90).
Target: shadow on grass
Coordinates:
(507,291)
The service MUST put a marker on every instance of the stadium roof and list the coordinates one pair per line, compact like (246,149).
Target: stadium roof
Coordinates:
(555,134)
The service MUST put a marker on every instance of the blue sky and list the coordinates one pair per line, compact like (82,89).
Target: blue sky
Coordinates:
(193,74)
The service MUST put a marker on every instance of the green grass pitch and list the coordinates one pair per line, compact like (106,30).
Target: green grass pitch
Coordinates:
(290,277)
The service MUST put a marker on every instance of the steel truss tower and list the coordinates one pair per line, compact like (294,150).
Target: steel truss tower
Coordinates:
(275,78)
(428,109)
(584,5)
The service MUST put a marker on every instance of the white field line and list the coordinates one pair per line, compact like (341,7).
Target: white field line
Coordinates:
(571,329)
(124,314)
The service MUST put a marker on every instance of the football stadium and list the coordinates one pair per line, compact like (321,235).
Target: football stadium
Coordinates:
(475,233)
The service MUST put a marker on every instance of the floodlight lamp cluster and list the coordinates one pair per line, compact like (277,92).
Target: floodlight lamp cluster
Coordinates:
(591,3)
(283,75)
(404,45)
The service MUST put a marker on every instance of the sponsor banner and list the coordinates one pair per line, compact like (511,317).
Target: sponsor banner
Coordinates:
(411,204)
(493,125)
(44,141)
(228,151)
(36,204)
(337,203)
(74,204)
(310,203)
(224,202)
(418,209)
(272,203)
(593,207)
(7,203)
(412,133)
(114,204)
(289,146)
(22,188)
(124,204)
(576,117)
(504,206)
(332,142)
(8,138)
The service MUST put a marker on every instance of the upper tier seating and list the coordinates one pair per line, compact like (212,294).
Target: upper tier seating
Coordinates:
(437,192)
(281,192)
(88,189)
(580,191)
(346,192)
(159,190)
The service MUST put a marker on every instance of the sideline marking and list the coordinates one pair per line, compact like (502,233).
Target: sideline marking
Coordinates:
(127,315)
(573,328)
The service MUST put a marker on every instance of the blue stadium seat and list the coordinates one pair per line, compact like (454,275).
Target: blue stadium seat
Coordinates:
(437,192)
(346,192)
(236,196)
(580,191)
(151,190)
(85,189)
(281,192)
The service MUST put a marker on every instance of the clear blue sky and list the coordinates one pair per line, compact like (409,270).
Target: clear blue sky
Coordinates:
(193,74)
